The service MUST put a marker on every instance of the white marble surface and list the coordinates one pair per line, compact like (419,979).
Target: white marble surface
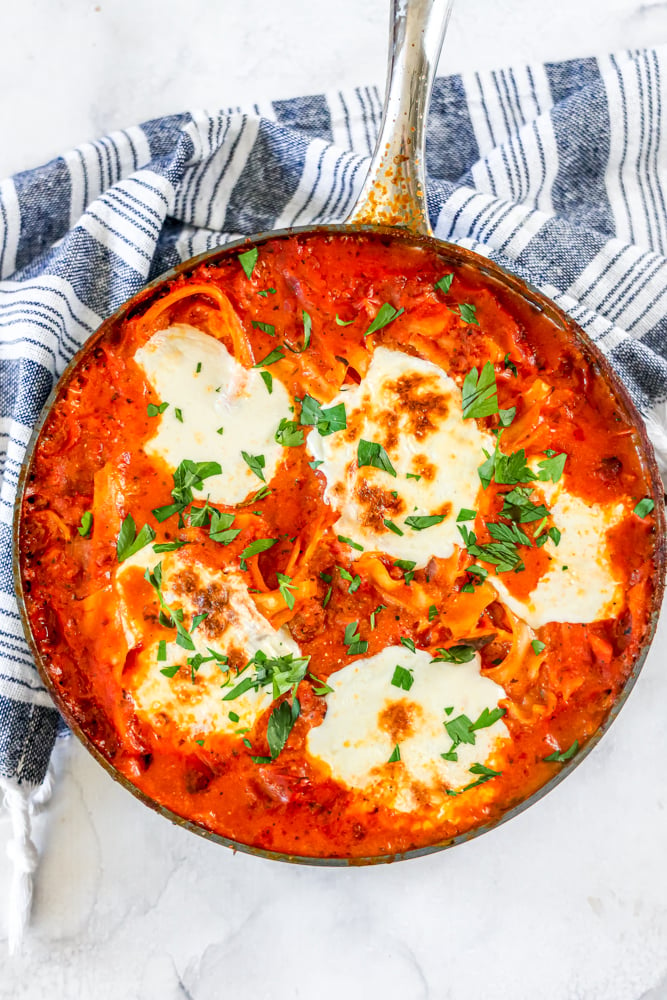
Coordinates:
(566,902)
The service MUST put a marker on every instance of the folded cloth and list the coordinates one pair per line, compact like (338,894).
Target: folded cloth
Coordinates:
(556,171)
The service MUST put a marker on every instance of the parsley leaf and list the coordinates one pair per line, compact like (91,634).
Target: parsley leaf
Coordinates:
(348,541)
(480,394)
(518,506)
(380,607)
(289,434)
(152,410)
(466,515)
(395,755)
(327,421)
(509,364)
(551,468)
(403,678)
(247,260)
(342,322)
(468,313)
(264,327)
(221,528)
(373,454)
(307,331)
(386,314)
(432,612)
(129,541)
(280,725)
(170,671)
(460,730)
(355,644)
(455,654)
(408,567)
(408,643)
(420,521)
(488,717)
(537,646)
(444,283)
(169,546)
(285,586)
(267,378)
(255,463)
(388,523)
(259,545)
(86,525)
(560,757)
(322,689)
(644,507)
(275,355)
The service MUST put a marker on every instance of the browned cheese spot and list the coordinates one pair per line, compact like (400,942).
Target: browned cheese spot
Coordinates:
(399,719)
(211,599)
(422,467)
(376,503)
(421,407)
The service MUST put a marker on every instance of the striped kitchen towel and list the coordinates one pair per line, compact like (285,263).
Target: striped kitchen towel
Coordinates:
(557,171)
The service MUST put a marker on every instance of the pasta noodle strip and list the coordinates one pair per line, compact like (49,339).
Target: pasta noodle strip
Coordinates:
(242,349)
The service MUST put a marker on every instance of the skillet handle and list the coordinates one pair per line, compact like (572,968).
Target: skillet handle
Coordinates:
(394,193)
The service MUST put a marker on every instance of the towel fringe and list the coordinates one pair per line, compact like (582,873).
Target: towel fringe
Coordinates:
(22,802)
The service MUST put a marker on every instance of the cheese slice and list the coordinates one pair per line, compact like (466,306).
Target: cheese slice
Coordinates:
(580,585)
(221,396)
(413,410)
(367,716)
(194,703)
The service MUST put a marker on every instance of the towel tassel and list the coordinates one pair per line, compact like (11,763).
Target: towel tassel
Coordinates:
(22,803)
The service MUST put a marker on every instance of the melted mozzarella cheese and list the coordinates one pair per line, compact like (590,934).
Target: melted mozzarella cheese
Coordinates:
(223,394)
(413,409)
(367,716)
(233,627)
(580,585)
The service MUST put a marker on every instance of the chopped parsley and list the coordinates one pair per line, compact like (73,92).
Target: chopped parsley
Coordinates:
(129,541)
(169,546)
(247,260)
(162,650)
(380,607)
(348,541)
(275,355)
(259,545)
(537,646)
(420,521)
(322,688)
(153,411)
(408,643)
(342,322)
(267,379)
(412,475)
(355,644)
(221,528)
(326,421)
(188,476)
(455,654)
(509,365)
(403,678)
(444,283)
(386,314)
(644,507)
(255,463)
(466,515)
(264,327)
(280,725)
(289,434)
(388,523)
(285,586)
(86,525)
(408,567)
(480,393)
(432,612)
(395,755)
(468,314)
(559,757)
(373,454)
(307,331)
(551,467)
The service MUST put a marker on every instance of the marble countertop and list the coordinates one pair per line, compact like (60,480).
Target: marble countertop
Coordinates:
(567,901)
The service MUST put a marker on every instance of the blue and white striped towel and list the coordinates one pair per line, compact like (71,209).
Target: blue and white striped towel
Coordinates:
(557,171)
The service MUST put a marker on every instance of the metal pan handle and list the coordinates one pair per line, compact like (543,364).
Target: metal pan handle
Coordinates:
(394,193)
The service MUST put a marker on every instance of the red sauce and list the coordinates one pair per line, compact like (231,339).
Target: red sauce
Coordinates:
(99,423)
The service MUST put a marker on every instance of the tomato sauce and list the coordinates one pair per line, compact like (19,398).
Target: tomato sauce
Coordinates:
(99,423)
